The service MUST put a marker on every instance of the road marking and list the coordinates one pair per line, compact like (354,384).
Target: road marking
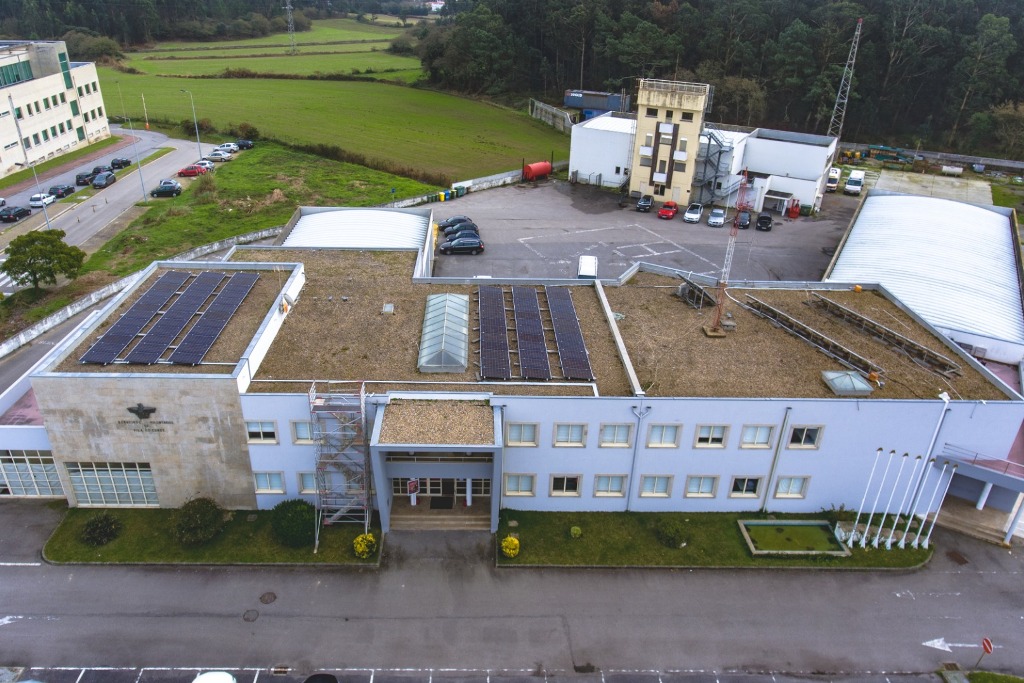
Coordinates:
(9,620)
(21,564)
(941,644)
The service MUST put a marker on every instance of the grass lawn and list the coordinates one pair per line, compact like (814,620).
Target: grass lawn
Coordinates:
(793,537)
(989,677)
(628,539)
(322,31)
(246,538)
(259,189)
(352,61)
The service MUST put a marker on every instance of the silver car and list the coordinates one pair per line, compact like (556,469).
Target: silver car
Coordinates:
(716,218)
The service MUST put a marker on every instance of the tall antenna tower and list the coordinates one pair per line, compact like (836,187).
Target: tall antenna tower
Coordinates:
(293,50)
(839,112)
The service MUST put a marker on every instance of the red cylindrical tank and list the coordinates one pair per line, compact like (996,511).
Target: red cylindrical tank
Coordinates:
(537,169)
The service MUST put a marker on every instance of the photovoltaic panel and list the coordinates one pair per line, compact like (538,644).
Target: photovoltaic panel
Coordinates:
(121,333)
(533,351)
(173,321)
(494,356)
(572,351)
(204,333)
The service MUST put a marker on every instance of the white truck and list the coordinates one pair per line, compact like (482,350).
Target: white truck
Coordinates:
(854,183)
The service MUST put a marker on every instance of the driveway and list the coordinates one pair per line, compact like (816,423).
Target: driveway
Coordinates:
(962,189)
(540,231)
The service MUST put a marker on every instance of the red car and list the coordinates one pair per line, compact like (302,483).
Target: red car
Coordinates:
(191,171)
(668,210)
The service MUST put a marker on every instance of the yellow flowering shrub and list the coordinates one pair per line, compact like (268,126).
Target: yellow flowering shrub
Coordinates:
(364,546)
(510,546)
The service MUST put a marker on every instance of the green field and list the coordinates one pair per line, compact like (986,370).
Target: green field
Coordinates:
(381,64)
(323,31)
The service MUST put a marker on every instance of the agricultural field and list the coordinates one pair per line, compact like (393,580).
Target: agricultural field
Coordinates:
(324,31)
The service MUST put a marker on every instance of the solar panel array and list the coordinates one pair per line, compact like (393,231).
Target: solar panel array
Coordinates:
(204,333)
(494,356)
(173,321)
(572,352)
(121,333)
(533,350)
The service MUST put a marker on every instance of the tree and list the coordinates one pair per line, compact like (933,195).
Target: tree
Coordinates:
(1008,120)
(40,257)
(982,71)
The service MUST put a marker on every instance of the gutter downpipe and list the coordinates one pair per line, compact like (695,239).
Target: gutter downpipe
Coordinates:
(929,459)
(775,459)
(640,412)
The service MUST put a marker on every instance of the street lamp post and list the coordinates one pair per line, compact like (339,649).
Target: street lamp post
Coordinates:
(195,122)
(17,127)
(135,146)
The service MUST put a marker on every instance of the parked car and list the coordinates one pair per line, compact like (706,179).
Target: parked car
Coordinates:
(459,227)
(208,165)
(3,202)
(96,170)
(166,188)
(244,144)
(459,234)
(38,201)
(228,147)
(191,171)
(454,220)
(10,214)
(60,191)
(693,213)
(716,218)
(668,210)
(218,155)
(104,180)
(85,178)
(743,220)
(764,222)
(645,203)
(463,245)
(120,162)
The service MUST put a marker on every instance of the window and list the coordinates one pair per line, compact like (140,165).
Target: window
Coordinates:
(682,144)
(261,432)
(520,434)
(791,487)
(663,436)
(74,107)
(17,112)
(668,114)
(659,190)
(649,140)
(711,436)
(679,166)
(269,482)
(745,487)
(62,98)
(518,484)
(307,482)
(701,487)
(565,486)
(27,142)
(35,138)
(616,436)
(53,131)
(662,166)
(756,436)
(805,437)
(302,432)
(99,110)
(652,112)
(610,485)
(29,473)
(570,435)
(112,483)
(646,162)
(46,135)
(618,170)
(46,103)
(80,93)
(687,116)
(61,128)
(655,487)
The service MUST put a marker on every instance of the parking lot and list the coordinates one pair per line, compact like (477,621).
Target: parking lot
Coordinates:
(539,231)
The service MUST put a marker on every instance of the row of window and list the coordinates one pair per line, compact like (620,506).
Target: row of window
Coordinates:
(92,114)
(264,431)
(53,131)
(570,435)
(88,88)
(33,108)
(652,113)
(655,486)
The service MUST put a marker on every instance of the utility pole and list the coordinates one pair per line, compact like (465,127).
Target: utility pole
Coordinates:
(835,127)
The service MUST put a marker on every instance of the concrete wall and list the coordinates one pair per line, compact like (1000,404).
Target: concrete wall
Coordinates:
(195,442)
(776,157)
(286,456)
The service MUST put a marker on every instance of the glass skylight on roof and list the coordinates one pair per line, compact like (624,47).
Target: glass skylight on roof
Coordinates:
(444,342)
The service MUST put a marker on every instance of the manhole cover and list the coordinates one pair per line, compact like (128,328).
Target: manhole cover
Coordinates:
(268,597)
(251,615)
(950,666)
(957,557)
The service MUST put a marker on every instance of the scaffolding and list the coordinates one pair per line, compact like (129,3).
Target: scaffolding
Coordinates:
(342,458)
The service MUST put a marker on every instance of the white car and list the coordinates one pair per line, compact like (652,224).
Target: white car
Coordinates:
(218,155)
(38,201)
(693,213)
(228,147)
(716,218)
(208,165)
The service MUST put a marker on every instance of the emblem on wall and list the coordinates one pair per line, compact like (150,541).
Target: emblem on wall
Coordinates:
(142,412)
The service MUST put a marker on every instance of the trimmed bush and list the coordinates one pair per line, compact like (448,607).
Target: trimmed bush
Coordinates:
(672,533)
(101,529)
(294,523)
(575,532)
(198,521)
(510,546)
(364,545)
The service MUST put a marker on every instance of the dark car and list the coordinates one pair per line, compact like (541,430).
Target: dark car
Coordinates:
(743,220)
(10,214)
(454,220)
(166,188)
(105,179)
(645,203)
(764,222)
(459,227)
(96,170)
(468,232)
(85,178)
(60,191)
(120,162)
(244,144)
(463,245)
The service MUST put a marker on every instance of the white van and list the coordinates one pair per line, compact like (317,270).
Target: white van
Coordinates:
(854,183)
(834,175)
